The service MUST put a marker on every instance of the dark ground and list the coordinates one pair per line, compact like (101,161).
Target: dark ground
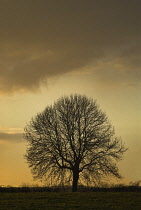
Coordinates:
(68,200)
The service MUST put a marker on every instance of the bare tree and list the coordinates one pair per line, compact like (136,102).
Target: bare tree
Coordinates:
(73,140)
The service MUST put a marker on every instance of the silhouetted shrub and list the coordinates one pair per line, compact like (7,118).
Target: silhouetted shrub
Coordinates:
(81,188)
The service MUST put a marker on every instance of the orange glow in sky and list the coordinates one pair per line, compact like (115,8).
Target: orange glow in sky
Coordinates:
(54,48)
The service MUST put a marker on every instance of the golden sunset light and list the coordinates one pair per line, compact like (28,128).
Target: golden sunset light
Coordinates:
(54,48)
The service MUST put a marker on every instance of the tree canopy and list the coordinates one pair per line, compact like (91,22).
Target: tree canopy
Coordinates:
(73,140)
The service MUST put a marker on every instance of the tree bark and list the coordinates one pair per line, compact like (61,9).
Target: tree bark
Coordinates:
(75,180)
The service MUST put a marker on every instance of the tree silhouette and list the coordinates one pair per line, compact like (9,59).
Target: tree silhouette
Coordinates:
(72,140)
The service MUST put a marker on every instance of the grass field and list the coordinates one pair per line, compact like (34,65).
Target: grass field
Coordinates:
(67,200)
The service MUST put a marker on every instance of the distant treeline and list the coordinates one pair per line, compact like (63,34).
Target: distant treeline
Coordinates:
(120,188)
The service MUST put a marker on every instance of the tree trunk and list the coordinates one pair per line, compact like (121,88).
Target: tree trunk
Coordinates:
(75,180)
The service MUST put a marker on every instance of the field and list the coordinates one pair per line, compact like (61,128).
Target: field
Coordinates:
(68,200)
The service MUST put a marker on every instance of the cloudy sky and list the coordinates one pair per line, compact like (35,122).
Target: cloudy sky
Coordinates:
(52,48)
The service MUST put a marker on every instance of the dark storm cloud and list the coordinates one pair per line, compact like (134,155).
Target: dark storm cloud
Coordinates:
(40,39)
(11,137)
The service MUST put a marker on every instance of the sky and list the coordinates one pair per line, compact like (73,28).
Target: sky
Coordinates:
(53,48)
